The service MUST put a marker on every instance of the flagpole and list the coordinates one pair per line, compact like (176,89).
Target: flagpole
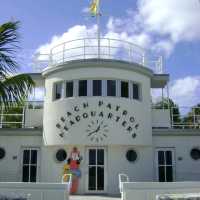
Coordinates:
(98,30)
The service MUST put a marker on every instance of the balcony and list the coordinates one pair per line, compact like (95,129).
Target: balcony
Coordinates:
(28,116)
(89,48)
(176,117)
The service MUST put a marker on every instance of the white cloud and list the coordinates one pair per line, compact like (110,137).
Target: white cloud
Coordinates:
(177,18)
(86,10)
(164,22)
(186,91)
(157,25)
(75,32)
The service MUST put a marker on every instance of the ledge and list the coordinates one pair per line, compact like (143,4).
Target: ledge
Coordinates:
(159,80)
(20,132)
(103,63)
(175,132)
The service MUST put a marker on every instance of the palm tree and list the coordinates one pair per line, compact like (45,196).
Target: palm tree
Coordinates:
(14,88)
(192,119)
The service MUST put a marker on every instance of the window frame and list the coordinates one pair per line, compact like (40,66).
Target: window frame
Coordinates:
(57,151)
(73,88)
(120,88)
(173,164)
(104,88)
(92,88)
(137,155)
(54,90)
(139,91)
(30,164)
(86,87)
(116,85)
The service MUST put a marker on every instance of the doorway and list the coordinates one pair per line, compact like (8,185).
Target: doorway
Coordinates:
(30,164)
(96,164)
(165,164)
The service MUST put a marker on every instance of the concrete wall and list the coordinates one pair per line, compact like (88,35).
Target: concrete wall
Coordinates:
(33,118)
(186,169)
(11,164)
(149,190)
(76,134)
(116,163)
(137,171)
(161,118)
(32,191)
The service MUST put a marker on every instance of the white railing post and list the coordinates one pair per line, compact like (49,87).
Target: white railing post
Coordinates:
(130,53)
(109,55)
(84,48)
(161,65)
(172,117)
(194,117)
(50,58)
(1,125)
(143,59)
(23,117)
(63,59)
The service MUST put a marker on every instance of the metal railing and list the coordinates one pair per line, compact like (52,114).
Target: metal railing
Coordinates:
(122,178)
(183,117)
(87,48)
(180,117)
(15,116)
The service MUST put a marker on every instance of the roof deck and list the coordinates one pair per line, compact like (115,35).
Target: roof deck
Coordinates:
(89,48)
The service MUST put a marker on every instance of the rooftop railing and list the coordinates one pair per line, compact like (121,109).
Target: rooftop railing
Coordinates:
(185,117)
(15,116)
(88,48)
(182,117)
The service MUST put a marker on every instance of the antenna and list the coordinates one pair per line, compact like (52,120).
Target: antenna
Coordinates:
(98,30)
(95,10)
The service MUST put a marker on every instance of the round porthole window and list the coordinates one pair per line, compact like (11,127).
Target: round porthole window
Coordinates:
(131,155)
(195,153)
(2,153)
(61,155)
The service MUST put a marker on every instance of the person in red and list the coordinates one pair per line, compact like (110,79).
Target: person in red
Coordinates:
(75,158)
(74,162)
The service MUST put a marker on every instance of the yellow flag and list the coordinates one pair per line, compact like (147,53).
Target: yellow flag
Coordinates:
(94,7)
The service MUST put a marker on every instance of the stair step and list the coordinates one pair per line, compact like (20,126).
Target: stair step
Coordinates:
(92,197)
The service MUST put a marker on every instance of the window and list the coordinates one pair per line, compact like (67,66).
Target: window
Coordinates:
(61,155)
(165,165)
(124,89)
(135,91)
(82,88)
(97,87)
(58,90)
(111,88)
(69,89)
(96,169)
(30,165)
(2,153)
(131,155)
(195,154)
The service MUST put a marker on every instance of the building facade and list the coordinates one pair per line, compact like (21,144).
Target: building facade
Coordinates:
(96,122)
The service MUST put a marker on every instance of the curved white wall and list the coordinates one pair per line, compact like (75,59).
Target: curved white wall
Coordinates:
(121,120)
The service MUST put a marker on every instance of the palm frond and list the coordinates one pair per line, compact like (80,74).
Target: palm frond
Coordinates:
(8,47)
(15,90)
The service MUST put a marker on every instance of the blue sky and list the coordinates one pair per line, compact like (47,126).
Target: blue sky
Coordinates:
(171,28)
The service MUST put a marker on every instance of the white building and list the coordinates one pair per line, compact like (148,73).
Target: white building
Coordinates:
(100,103)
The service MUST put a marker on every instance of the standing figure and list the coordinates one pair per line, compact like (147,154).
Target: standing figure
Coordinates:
(73,163)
